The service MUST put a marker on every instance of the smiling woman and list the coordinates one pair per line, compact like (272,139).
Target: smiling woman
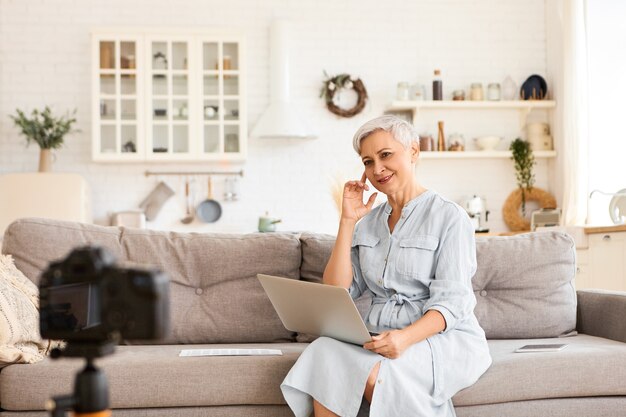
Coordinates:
(414,256)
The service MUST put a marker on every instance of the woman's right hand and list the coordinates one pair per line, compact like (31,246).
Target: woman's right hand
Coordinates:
(352,206)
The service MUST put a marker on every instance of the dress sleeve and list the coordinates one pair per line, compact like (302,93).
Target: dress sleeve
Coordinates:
(451,290)
(358,286)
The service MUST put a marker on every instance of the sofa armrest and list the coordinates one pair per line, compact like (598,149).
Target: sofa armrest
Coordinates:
(602,313)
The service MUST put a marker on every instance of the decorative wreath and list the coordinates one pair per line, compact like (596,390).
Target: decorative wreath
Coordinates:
(511,209)
(334,84)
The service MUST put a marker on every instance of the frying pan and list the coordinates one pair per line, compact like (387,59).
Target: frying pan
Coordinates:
(209,210)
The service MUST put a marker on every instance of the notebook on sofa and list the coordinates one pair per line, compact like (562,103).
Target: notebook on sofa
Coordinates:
(318,309)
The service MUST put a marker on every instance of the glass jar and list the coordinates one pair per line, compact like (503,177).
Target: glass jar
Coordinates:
(493,92)
(458,95)
(456,142)
(476,92)
(418,92)
(402,91)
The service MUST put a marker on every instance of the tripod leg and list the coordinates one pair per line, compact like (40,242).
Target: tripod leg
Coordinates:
(91,391)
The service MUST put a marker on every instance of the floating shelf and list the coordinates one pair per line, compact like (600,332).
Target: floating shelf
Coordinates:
(467,104)
(480,154)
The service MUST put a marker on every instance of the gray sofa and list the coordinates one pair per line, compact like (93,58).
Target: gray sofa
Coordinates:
(524,290)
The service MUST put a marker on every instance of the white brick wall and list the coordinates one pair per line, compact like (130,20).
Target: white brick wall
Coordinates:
(45,59)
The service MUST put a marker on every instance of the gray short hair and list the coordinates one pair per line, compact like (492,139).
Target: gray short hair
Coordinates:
(400,129)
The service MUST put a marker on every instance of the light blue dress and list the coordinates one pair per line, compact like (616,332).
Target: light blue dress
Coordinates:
(426,264)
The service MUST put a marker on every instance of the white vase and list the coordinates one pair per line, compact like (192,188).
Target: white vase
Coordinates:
(509,89)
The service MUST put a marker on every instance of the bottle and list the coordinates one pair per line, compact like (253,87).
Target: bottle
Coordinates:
(441,141)
(437,86)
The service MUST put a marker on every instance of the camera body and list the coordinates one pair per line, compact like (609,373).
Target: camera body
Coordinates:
(85,298)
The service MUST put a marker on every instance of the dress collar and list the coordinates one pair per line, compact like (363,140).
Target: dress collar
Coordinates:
(408,206)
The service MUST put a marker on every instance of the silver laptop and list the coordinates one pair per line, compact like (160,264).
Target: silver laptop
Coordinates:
(318,309)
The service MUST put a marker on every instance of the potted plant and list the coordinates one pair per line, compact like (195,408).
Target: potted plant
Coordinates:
(524,160)
(46,130)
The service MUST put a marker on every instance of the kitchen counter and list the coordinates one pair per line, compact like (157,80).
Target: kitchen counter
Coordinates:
(605,229)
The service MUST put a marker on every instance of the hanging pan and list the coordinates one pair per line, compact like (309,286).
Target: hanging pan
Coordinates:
(209,211)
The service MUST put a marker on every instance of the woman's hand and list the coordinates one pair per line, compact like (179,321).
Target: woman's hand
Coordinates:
(352,207)
(389,344)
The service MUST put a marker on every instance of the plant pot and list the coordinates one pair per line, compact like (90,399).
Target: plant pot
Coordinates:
(45,160)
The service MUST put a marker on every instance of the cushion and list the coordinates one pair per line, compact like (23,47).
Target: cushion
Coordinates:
(155,376)
(316,249)
(588,366)
(215,296)
(524,285)
(20,341)
(532,296)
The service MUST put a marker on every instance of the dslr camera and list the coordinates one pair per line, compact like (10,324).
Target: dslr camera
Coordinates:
(86,300)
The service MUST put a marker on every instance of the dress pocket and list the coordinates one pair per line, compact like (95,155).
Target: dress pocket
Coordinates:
(416,256)
(367,254)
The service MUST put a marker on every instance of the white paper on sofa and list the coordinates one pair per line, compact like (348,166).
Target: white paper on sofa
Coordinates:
(229,352)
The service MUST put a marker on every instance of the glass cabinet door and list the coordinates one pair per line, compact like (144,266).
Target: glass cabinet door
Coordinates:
(169,97)
(117,93)
(221,101)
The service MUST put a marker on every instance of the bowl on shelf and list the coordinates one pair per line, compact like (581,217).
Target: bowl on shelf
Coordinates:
(487,143)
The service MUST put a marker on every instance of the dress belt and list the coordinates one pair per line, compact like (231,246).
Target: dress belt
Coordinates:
(386,314)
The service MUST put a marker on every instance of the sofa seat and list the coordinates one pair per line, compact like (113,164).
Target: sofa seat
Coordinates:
(156,377)
(588,367)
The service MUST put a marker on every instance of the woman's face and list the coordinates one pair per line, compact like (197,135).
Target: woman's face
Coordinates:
(388,165)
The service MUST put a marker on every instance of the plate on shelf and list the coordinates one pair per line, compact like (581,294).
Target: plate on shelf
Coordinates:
(617,207)
(534,88)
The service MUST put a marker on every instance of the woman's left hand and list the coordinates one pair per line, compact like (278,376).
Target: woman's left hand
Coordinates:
(389,344)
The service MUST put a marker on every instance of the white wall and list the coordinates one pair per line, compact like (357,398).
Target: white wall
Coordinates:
(45,59)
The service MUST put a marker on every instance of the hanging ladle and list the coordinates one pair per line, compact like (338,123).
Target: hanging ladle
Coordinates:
(189,215)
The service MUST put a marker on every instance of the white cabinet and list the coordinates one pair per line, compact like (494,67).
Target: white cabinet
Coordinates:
(168,96)
(603,263)
(607,257)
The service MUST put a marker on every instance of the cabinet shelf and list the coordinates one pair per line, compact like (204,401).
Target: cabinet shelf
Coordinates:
(480,154)
(467,104)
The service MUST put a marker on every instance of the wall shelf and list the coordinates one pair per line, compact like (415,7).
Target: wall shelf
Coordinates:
(467,104)
(480,154)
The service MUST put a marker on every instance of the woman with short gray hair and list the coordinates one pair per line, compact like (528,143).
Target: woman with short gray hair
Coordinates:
(414,256)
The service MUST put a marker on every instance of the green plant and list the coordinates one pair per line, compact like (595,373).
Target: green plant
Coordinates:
(524,162)
(43,128)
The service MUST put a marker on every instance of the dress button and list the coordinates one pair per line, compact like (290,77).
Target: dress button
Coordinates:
(483,293)
(199,291)
(380,380)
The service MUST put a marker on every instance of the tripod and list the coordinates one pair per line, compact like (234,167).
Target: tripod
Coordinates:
(91,389)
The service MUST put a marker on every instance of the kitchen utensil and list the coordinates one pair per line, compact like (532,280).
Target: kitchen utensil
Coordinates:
(129,218)
(209,211)
(617,207)
(154,202)
(487,143)
(476,208)
(534,88)
(267,224)
(189,216)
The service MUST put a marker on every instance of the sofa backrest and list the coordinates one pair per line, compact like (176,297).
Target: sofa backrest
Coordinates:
(524,284)
(215,296)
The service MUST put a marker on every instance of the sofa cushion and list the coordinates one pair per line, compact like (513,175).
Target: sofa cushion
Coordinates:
(214,293)
(588,366)
(155,376)
(524,285)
